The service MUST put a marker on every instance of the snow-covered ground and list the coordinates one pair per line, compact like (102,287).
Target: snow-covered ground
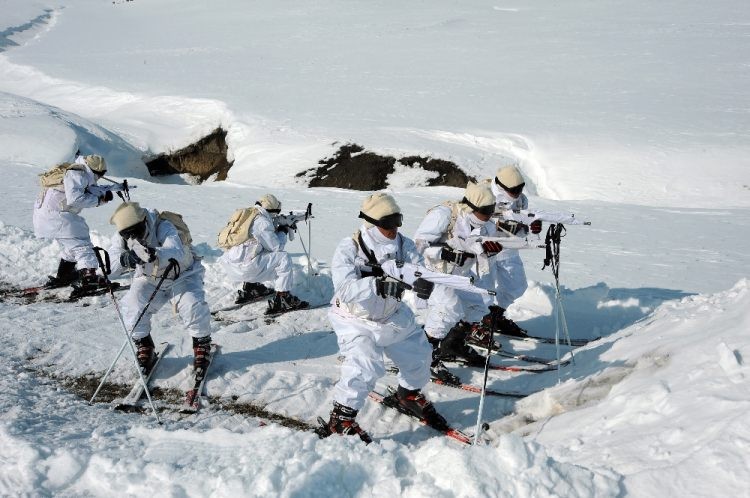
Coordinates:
(632,115)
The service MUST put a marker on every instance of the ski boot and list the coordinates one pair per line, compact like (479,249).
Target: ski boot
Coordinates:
(454,348)
(342,422)
(252,291)
(414,402)
(66,275)
(201,350)
(479,335)
(505,325)
(283,302)
(145,353)
(88,284)
(438,371)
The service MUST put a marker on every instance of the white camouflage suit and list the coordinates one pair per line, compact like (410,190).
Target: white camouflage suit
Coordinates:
(56,214)
(262,257)
(185,294)
(510,273)
(368,325)
(447,306)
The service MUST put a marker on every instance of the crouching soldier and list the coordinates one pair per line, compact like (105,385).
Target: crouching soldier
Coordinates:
(153,243)
(445,240)
(254,253)
(369,319)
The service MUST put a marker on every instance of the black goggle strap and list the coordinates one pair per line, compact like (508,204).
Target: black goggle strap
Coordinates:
(487,210)
(387,222)
(512,190)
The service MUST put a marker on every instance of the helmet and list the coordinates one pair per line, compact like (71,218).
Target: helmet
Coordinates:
(127,215)
(96,163)
(479,197)
(270,203)
(380,209)
(510,180)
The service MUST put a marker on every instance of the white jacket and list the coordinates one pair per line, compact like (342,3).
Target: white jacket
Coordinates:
(263,238)
(56,211)
(355,294)
(163,237)
(433,231)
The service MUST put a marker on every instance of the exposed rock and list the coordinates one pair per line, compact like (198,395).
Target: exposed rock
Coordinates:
(203,159)
(352,167)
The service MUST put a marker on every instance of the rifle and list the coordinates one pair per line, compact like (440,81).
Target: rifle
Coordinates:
(121,189)
(526,217)
(288,222)
(473,245)
(407,273)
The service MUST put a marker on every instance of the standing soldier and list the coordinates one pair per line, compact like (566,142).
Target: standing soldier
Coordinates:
(148,241)
(507,186)
(68,189)
(369,319)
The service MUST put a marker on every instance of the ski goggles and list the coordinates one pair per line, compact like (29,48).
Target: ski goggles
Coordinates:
(485,210)
(137,231)
(514,191)
(389,222)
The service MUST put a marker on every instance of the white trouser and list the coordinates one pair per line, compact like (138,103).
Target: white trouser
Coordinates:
(79,250)
(447,306)
(363,342)
(186,294)
(511,278)
(266,266)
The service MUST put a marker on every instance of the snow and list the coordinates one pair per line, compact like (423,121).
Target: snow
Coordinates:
(632,115)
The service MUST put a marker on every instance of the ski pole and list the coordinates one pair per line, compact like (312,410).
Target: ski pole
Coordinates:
(124,344)
(491,335)
(143,312)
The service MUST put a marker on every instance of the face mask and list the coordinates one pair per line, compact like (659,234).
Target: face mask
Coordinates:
(390,246)
(475,222)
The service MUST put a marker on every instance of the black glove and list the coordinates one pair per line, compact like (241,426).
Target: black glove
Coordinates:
(536,226)
(283,229)
(422,288)
(491,247)
(130,259)
(448,254)
(387,287)
(511,226)
(106,197)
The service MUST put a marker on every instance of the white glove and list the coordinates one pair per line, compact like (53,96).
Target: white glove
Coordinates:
(145,254)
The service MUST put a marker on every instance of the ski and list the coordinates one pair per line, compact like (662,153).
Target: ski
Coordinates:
(523,357)
(469,387)
(44,294)
(507,368)
(194,395)
(549,340)
(236,306)
(130,402)
(477,389)
(390,401)
(268,318)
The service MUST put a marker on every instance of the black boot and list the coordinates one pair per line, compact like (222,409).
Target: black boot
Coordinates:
(66,275)
(252,291)
(283,302)
(415,402)
(438,370)
(342,422)
(145,353)
(454,348)
(88,283)
(479,336)
(505,325)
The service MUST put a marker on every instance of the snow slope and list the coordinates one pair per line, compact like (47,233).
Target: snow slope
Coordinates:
(628,114)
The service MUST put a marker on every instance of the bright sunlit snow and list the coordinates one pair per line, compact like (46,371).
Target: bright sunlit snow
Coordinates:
(633,115)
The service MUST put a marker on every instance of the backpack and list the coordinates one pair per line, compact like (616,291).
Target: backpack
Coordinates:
(54,177)
(237,229)
(179,224)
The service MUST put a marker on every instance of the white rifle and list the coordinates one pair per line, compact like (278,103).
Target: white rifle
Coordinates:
(527,217)
(288,222)
(409,272)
